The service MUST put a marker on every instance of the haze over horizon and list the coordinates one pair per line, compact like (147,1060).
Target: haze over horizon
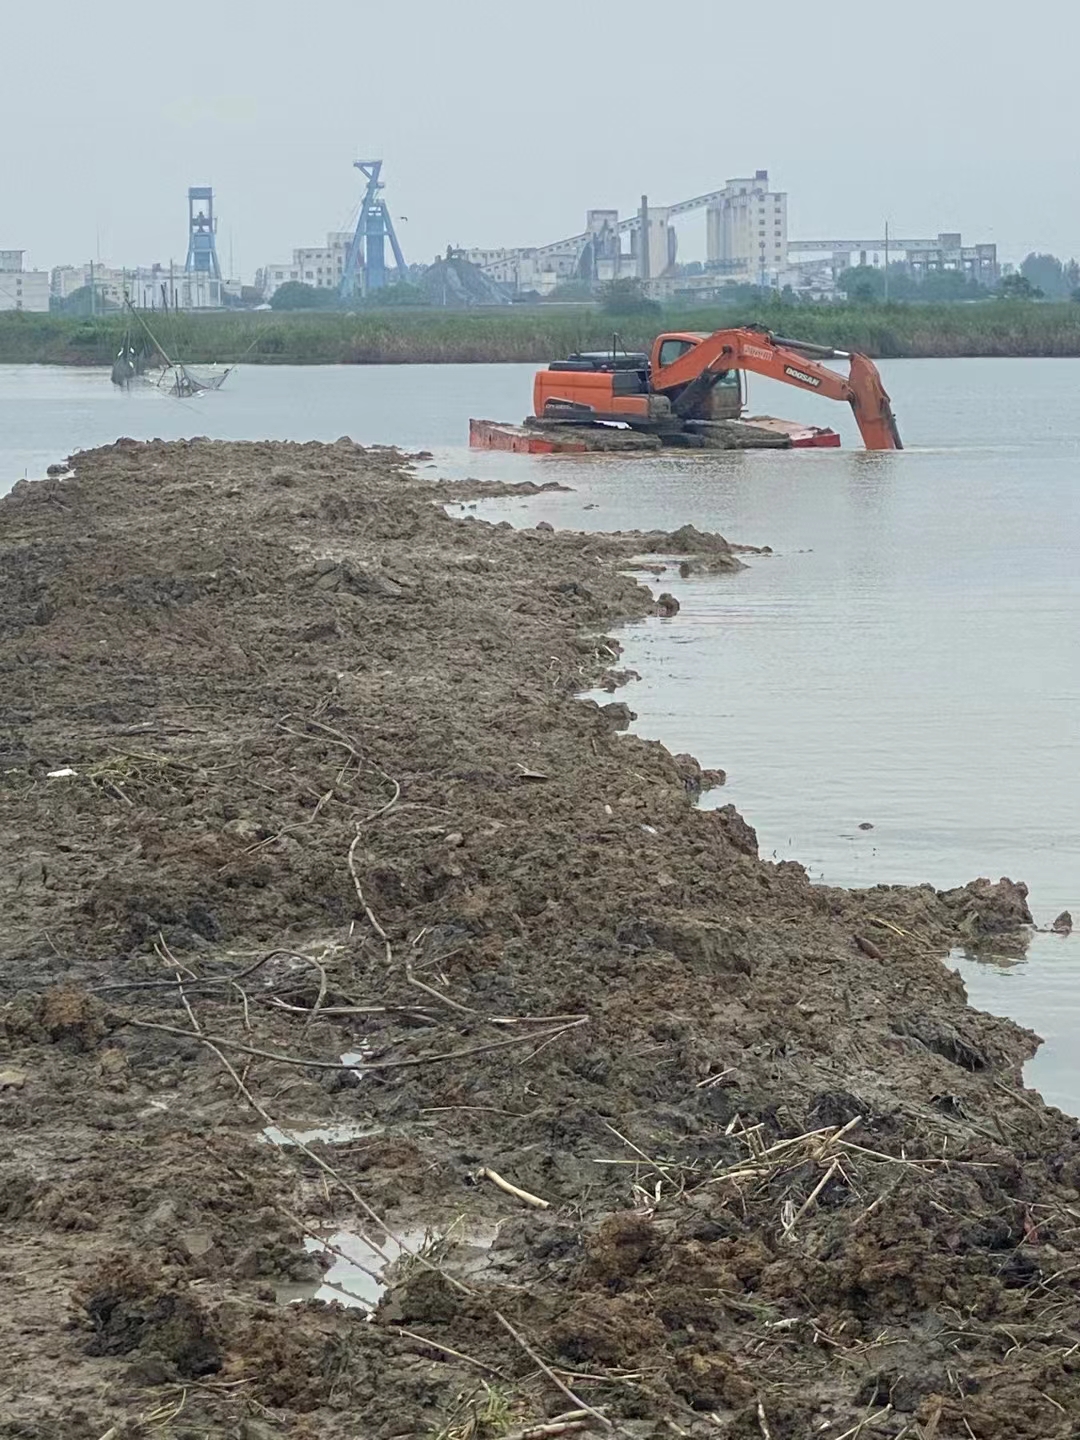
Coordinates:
(499,126)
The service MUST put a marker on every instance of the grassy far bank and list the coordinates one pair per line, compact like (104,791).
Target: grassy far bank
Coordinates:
(994,328)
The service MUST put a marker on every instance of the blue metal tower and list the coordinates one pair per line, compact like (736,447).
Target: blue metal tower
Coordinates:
(202,258)
(365,264)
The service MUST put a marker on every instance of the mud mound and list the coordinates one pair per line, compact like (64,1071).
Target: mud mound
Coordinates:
(310,832)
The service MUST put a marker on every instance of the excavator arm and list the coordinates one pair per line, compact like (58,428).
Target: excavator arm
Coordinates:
(792,362)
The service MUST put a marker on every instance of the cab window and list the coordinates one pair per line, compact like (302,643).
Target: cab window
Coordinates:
(672,350)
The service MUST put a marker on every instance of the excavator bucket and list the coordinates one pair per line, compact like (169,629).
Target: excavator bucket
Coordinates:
(873,409)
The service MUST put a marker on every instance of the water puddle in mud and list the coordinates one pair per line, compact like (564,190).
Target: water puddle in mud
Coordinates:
(359,1273)
(328,1134)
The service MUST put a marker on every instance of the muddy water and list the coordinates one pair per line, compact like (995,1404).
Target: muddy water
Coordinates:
(908,659)
(359,1271)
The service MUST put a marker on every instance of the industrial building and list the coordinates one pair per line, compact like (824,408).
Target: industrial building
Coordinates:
(920,257)
(747,243)
(746,230)
(746,237)
(22,289)
(149,287)
(323,267)
(197,286)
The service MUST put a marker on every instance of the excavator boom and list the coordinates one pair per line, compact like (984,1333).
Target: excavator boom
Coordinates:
(789,361)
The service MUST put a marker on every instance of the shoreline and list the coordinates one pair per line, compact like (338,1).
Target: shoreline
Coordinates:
(327,751)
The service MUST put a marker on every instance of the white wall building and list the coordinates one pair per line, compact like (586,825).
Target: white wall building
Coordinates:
(22,289)
(747,230)
(321,267)
(149,287)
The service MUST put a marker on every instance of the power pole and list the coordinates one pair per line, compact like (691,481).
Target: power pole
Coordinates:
(93,292)
(886,262)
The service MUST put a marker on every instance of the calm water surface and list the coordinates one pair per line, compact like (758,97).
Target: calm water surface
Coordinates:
(910,656)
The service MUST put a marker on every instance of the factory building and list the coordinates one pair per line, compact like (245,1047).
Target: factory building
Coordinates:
(149,287)
(746,230)
(921,257)
(319,266)
(22,289)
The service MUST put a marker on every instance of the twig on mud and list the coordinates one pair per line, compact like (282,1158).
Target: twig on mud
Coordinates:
(575,1400)
(763,1424)
(199,983)
(932,1424)
(388,949)
(631,1146)
(446,1350)
(363,1065)
(488,1174)
(243,996)
(865,1423)
(320,998)
(480,1109)
(711,1080)
(162,951)
(789,1227)
(53,948)
(414,1010)
(340,738)
(567,1424)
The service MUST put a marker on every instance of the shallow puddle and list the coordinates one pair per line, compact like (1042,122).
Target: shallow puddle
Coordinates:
(329,1134)
(358,1274)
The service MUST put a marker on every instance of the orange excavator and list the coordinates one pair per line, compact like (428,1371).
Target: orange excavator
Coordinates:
(690,381)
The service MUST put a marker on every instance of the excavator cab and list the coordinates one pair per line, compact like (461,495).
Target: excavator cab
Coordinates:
(725,398)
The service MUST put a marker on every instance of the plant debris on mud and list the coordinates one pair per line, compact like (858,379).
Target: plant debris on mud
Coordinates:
(304,827)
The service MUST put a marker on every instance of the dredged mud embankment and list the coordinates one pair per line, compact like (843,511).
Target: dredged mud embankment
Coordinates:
(326,791)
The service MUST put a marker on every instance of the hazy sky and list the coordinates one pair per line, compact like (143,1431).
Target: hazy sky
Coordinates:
(501,122)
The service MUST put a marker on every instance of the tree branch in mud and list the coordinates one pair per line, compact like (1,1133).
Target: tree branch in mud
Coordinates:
(574,1399)
(488,1174)
(363,1065)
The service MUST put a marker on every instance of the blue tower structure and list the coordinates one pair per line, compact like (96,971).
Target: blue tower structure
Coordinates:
(365,264)
(202,257)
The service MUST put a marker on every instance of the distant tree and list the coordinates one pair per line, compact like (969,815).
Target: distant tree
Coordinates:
(569,290)
(950,285)
(1018,287)
(1047,274)
(862,283)
(626,297)
(295,295)
(83,302)
(401,293)
(866,284)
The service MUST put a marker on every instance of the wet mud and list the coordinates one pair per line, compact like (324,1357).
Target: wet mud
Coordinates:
(291,770)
